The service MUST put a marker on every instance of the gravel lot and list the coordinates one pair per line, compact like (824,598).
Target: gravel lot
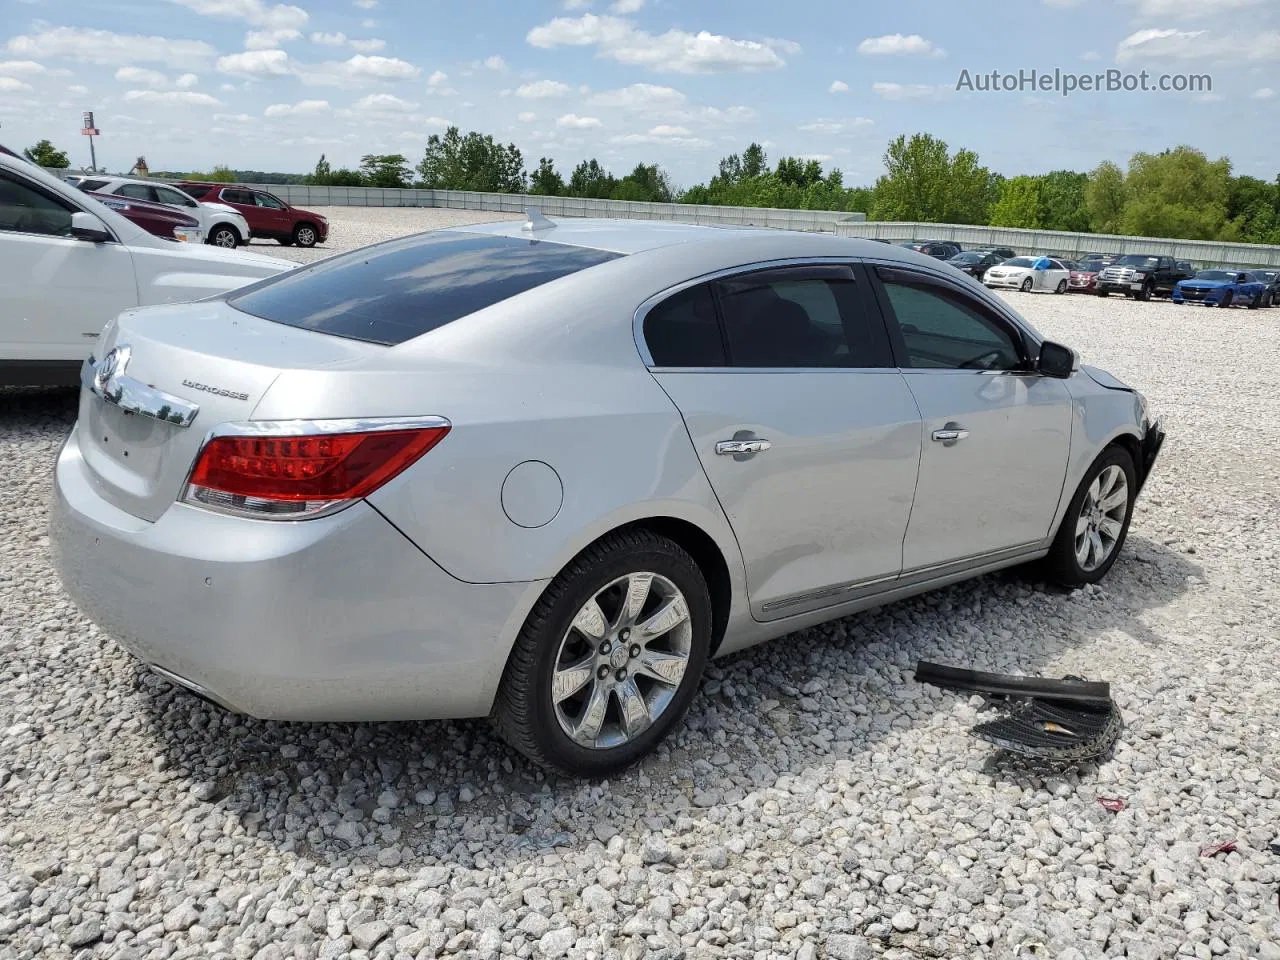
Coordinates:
(817,803)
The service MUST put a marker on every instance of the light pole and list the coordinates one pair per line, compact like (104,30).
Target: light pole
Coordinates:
(90,131)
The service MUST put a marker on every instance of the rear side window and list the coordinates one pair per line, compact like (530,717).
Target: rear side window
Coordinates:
(238,196)
(91,185)
(683,331)
(402,289)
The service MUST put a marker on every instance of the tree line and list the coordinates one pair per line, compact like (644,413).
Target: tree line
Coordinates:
(1178,192)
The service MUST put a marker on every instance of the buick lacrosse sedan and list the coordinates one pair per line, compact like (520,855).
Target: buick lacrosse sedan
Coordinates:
(542,472)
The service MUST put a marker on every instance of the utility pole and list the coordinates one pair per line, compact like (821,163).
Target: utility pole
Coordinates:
(90,131)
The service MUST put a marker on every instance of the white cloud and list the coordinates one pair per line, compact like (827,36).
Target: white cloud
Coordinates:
(541,89)
(268,39)
(576,4)
(173,98)
(895,44)
(368,23)
(21,68)
(141,76)
(300,109)
(668,130)
(910,91)
(366,4)
(369,45)
(78,89)
(838,86)
(1173,44)
(278,16)
(109,49)
(626,6)
(666,140)
(1192,9)
(437,78)
(234,118)
(187,81)
(575,122)
(1206,98)
(823,125)
(527,117)
(385,103)
(329,39)
(1091,55)
(13,85)
(255,63)
(639,96)
(1263,93)
(496,63)
(356,71)
(675,51)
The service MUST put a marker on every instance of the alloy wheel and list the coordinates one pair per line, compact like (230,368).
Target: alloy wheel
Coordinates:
(306,237)
(1101,519)
(622,660)
(224,238)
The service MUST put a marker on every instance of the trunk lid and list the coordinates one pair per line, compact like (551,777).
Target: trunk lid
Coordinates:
(204,354)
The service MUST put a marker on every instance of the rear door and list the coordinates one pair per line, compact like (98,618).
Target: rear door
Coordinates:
(56,292)
(995,436)
(809,436)
(242,200)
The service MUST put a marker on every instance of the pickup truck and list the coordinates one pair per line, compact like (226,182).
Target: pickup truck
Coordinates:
(1139,275)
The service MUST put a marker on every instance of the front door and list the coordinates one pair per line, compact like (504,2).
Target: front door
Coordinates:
(809,436)
(56,292)
(996,437)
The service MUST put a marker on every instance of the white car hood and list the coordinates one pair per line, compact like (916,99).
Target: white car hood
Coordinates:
(222,208)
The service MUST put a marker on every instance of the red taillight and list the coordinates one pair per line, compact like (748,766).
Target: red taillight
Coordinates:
(289,476)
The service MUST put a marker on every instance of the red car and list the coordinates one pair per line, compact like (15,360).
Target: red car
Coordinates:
(157,218)
(268,216)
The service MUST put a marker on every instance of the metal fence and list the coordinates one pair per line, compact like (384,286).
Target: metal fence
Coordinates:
(1200,252)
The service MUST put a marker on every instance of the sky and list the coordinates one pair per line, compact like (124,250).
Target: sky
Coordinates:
(256,84)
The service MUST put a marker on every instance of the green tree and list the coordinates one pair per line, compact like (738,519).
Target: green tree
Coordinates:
(325,176)
(1104,197)
(1062,205)
(646,182)
(1019,204)
(1176,193)
(926,183)
(385,170)
(473,162)
(546,180)
(590,179)
(45,154)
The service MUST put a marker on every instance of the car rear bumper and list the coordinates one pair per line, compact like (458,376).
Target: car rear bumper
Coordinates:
(339,618)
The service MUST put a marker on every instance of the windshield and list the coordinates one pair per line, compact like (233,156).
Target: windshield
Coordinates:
(966,258)
(1216,275)
(1019,262)
(1137,260)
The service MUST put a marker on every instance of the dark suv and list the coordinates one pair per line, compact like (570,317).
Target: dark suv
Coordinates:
(1139,275)
(942,249)
(267,215)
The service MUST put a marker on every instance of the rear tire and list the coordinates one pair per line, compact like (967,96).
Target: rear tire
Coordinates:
(1256,302)
(1062,287)
(544,705)
(1100,293)
(1226,299)
(1093,533)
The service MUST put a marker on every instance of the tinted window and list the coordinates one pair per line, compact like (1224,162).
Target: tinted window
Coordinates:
(1137,260)
(395,291)
(238,196)
(271,203)
(197,190)
(137,191)
(173,197)
(24,209)
(90,185)
(943,329)
(683,331)
(801,317)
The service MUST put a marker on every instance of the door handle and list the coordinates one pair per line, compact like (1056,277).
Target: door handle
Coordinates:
(950,435)
(731,447)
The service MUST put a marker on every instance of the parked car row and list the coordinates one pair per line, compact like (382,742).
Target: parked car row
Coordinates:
(1229,287)
(73,260)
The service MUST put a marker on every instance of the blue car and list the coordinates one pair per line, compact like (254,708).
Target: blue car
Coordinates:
(1220,288)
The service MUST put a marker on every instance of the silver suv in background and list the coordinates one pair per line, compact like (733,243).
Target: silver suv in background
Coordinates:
(223,226)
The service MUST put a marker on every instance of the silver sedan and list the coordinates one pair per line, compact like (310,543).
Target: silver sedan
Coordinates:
(542,472)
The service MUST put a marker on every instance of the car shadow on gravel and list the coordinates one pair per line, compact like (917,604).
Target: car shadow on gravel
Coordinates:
(409,794)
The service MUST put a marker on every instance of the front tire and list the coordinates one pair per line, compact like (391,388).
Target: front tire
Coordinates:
(1144,294)
(305,235)
(1096,523)
(1026,285)
(1226,299)
(610,657)
(225,237)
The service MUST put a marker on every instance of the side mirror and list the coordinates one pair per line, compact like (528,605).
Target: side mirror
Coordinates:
(85,226)
(1057,360)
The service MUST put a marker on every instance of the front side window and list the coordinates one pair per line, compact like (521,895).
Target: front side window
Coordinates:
(270,202)
(24,209)
(943,329)
(401,289)
(136,191)
(173,197)
(797,317)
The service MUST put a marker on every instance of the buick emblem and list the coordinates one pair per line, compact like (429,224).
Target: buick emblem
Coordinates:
(111,365)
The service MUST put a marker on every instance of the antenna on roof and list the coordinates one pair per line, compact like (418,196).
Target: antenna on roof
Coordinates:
(536,220)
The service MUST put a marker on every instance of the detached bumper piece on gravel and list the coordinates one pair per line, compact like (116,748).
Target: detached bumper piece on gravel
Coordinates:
(1068,720)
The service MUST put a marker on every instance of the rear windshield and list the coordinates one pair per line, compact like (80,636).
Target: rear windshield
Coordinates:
(395,291)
